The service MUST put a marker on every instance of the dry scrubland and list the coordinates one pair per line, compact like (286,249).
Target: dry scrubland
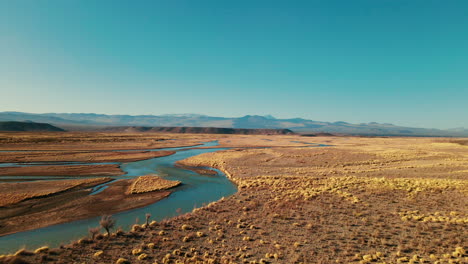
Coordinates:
(26,206)
(363,200)
(31,205)
(63,170)
(80,156)
(12,193)
(92,141)
(151,183)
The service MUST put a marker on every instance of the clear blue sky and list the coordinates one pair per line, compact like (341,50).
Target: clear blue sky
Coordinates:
(396,61)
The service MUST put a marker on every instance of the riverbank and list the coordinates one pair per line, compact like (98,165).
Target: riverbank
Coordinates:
(71,204)
(79,156)
(59,212)
(63,170)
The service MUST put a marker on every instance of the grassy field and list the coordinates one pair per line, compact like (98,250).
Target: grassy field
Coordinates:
(13,193)
(151,183)
(360,200)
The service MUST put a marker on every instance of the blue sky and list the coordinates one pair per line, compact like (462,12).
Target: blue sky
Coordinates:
(395,61)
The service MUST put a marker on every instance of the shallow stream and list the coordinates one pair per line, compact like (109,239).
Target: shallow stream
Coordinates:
(196,190)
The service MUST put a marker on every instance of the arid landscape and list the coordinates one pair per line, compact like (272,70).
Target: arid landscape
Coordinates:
(300,199)
(233,132)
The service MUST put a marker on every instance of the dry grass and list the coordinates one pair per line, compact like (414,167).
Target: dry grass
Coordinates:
(63,170)
(12,193)
(95,141)
(80,156)
(365,200)
(151,183)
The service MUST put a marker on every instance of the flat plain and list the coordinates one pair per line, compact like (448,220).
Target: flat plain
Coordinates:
(299,200)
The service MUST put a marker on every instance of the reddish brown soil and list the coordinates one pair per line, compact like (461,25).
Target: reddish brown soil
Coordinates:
(13,193)
(364,200)
(81,156)
(72,205)
(92,141)
(63,170)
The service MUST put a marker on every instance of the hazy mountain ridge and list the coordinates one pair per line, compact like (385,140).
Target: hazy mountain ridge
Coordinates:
(199,130)
(248,121)
(27,126)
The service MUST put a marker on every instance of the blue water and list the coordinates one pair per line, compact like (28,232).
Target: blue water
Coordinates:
(196,190)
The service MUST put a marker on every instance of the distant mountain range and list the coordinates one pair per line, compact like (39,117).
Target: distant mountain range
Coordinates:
(77,121)
(27,126)
(199,130)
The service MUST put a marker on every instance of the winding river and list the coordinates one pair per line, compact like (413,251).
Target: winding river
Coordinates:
(196,190)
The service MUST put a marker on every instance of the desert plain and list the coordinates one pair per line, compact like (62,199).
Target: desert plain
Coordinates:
(299,199)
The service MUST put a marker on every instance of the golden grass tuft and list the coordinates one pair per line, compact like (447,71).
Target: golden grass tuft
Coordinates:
(41,250)
(122,261)
(151,183)
(142,256)
(98,253)
(23,252)
(186,227)
(137,251)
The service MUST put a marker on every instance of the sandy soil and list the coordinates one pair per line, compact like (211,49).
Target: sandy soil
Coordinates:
(63,170)
(73,204)
(12,193)
(68,156)
(362,200)
(92,141)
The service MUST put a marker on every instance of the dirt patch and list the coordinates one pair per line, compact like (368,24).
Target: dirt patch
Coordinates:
(79,156)
(63,170)
(364,200)
(71,205)
(92,141)
(12,193)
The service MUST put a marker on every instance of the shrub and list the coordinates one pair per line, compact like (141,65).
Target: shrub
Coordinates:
(148,216)
(107,222)
(93,232)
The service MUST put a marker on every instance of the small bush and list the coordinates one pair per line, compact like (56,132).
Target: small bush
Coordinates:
(93,232)
(107,222)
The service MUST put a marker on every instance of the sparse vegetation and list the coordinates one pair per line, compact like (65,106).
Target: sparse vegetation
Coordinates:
(151,183)
(365,200)
(12,193)
(107,222)
(94,231)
